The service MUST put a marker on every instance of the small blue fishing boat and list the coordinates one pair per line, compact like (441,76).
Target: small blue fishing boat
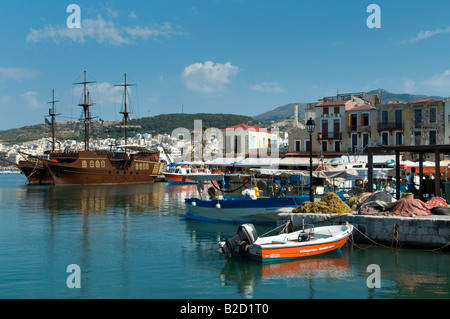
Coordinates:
(238,209)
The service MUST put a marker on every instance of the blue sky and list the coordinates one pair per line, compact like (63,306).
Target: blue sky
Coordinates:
(220,56)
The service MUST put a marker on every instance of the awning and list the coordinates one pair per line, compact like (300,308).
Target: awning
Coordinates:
(333,177)
(297,161)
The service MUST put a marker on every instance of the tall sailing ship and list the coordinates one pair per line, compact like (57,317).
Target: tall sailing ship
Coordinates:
(134,165)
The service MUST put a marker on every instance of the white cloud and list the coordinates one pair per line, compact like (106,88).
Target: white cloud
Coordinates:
(31,98)
(422,35)
(269,87)
(102,31)
(409,85)
(439,82)
(16,74)
(110,12)
(132,15)
(208,77)
(5,100)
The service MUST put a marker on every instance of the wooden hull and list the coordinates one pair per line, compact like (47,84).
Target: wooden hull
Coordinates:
(35,172)
(90,167)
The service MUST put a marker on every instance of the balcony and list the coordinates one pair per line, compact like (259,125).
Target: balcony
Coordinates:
(391,126)
(329,136)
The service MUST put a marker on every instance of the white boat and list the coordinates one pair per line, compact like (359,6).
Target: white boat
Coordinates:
(309,241)
(178,175)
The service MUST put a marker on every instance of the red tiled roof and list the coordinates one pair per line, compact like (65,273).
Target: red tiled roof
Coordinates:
(359,107)
(247,127)
(426,101)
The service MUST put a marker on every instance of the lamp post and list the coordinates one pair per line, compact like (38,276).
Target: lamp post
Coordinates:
(310,126)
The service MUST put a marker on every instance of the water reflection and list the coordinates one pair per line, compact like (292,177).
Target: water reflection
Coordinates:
(101,199)
(130,242)
(246,274)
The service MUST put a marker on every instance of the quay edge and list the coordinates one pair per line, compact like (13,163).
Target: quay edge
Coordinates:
(428,232)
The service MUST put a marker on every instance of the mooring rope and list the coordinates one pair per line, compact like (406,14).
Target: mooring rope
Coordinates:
(395,237)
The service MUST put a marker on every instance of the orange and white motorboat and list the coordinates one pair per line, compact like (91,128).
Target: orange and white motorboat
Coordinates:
(306,242)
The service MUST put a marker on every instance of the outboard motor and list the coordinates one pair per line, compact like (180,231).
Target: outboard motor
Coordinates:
(246,235)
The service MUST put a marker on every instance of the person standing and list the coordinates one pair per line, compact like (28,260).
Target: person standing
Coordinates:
(410,183)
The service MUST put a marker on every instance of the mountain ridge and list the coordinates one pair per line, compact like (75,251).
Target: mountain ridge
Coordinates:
(166,123)
(287,111)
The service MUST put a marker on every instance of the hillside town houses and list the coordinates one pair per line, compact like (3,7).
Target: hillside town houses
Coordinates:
(345,124)
(349,123)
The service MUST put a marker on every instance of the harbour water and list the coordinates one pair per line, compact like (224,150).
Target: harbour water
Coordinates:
(129,242)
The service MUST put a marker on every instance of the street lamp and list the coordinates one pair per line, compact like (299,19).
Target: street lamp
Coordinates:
(310,126)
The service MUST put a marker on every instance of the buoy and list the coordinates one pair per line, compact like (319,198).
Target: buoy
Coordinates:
(218,206)
(246,182)
(194,203)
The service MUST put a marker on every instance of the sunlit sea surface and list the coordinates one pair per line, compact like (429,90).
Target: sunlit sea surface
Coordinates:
(130,242)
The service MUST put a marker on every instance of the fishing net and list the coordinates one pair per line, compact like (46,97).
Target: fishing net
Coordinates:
(329,204)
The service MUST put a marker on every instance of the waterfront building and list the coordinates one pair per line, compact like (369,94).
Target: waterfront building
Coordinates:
(349,123)
(241,140)
(344,125)
(424,122)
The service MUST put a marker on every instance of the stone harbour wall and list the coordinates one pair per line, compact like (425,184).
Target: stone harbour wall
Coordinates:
(431,232)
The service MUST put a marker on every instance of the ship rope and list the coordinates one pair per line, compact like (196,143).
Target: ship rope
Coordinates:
(34,169)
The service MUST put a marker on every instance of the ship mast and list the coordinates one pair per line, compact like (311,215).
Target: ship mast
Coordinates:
(87,113)
(51,112)
(125,112)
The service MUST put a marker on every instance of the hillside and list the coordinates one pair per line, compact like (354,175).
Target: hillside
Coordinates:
(287,111)
(282,112)
(404,97)
(164,123)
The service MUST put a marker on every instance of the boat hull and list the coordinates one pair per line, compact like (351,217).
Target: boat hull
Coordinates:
(240,210)
(177,179)
(286,250)
(35,172)
(90,167)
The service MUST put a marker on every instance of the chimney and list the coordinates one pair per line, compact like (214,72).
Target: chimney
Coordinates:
(296,116)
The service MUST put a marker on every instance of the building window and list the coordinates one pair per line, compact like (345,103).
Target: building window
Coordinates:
(384,138)
(337,146)
(353,122)
(325,128)
(297,146)
(365,119)
(354,142)
(336,110)
(418,118)
(433,115)
(307,145)
(336,127)
(365,140)
(398,138)
(398,119)
(384,117)
(325,110)
(325,146)
(432,137)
